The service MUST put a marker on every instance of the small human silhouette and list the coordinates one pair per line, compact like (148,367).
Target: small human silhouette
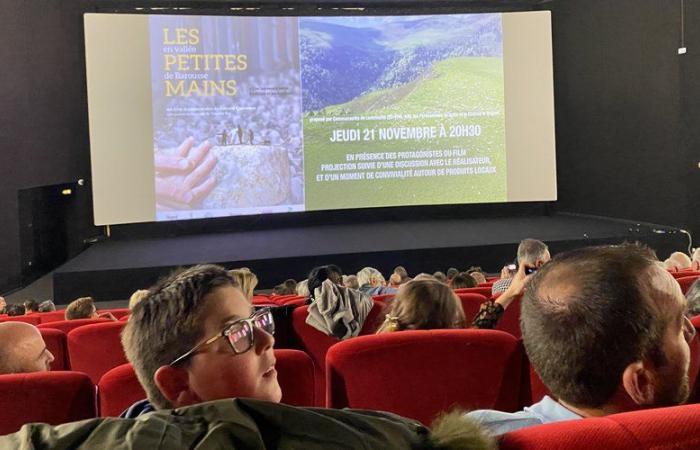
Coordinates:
(240,135)
(250,136)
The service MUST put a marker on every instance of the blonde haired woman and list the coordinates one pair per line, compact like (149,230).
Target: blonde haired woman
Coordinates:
(424,304)
(246,281)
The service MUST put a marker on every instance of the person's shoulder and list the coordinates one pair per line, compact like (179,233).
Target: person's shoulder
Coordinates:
(498,422)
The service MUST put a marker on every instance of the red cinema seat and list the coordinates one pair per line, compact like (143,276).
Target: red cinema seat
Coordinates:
(31,319)
(67,325)
(316,344)
(48,397)
(470,304)
(676,428)
(118,313)
(419,374)
(685,273)
(510,320)
(293,301)
(686,282)
(52,316)
(56,343)
(119,388)
(485,291)
(384,298)
(97,348)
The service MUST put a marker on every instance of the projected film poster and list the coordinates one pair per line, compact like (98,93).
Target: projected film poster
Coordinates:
(255,115)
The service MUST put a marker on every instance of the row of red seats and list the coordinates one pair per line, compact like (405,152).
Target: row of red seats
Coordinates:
(60,397)
(55,316)
(73,398)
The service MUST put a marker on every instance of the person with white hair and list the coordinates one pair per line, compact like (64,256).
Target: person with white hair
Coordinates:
(678,261)
(372,282)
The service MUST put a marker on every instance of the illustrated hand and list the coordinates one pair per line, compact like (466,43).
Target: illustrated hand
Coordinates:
(183,178)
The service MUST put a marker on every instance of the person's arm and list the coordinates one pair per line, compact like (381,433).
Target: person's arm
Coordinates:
(491,310)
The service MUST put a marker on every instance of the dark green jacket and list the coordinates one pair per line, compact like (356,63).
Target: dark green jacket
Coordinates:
(230,424)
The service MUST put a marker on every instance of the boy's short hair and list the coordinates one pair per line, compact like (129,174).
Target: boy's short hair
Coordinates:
(81,308)
(31,305)
(169,322)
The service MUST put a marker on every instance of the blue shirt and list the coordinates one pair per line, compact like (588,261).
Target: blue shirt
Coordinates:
(545,411)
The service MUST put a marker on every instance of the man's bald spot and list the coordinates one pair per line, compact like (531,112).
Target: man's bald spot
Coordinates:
(15,339)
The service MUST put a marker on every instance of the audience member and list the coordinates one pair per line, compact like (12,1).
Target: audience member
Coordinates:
(441,277)
(3,305)
(287,287)
(403,273)
(478,275)
(23,349)
(173,339)
(394,280)
(695,260)
(350,281)
(693,297)
(14,310)
(30,306)
(451,273)
(322,273)
(84,308)
(604,328)
(303,288)
(531,253)
(372,282)
(137,296)
(463,280)
(678,261)
(47,306)
(424,304)
(246,280)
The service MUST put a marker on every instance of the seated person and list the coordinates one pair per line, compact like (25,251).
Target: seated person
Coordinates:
(320,274)
(47,306)
(350,281)
(451,273)
(3,305)
(196,338)
(247,281)
(695,260)
(462,281)
(402,273)
(372,282)
(440,276)
(287,287)
(84,308)
(15,310)
(678,261)
(424,304)
(23,349)
(31,306)
(604,328)
(491,310)
(478,275)
(302,288)
(532,253)
(136,297)
(693,297)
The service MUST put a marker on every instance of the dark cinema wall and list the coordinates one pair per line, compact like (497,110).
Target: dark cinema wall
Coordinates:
(627,115)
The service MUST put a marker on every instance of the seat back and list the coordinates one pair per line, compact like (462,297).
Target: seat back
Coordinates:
(56,343)
(119,387)
(419,374)
(685,273)
(52,316)
(49,397)
(675,428)
(30,319)
(316,344)
(686,282)
(95,349)
(485,291)
(67,325)
(510,320)
(470,304)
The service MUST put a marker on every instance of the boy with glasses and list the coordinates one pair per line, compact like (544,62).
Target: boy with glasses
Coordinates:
(196,338)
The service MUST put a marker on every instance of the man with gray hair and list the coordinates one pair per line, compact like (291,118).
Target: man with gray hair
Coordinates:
(372,282)
(531,253)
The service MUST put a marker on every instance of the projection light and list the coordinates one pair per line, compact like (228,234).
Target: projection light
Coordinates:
(682,51)
(67,191)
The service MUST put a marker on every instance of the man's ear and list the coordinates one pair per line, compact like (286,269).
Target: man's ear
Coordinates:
(173,383)
(638,382)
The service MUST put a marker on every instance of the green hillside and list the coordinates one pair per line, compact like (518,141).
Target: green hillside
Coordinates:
(456,85)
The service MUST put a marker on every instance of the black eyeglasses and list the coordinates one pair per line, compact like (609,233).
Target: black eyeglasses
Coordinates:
(240,334)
